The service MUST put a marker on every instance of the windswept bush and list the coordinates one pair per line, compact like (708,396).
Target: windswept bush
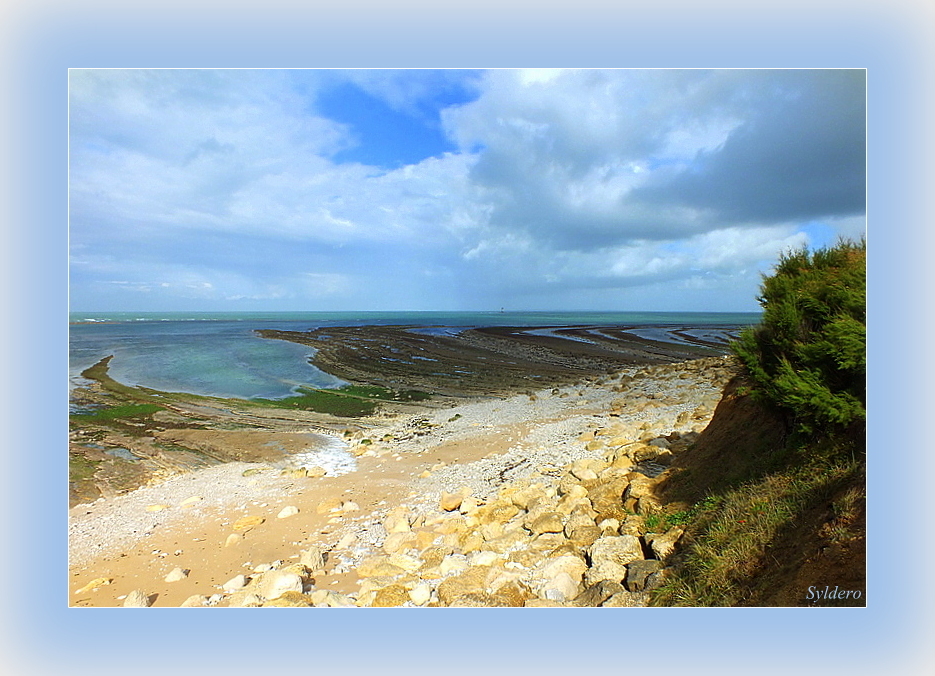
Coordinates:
(808,355)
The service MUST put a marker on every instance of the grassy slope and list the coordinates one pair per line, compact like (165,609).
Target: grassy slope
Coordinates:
(768,516)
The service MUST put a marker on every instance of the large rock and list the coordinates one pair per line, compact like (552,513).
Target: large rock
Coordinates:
(449,502)
(397,521)
(137,599)
(275,583)
(607,498)
(638,572)
(597,593)
(398,542)
(420,594)
(562,588)
(244,599)
(609,557)
(663,545)
(572,566)
(194,601)
(626,599)
(388,597)
(247,523)
(176,575)
(550,522)
(377,566)
(289,599)
(408,563)
(472,581)
(498,512)
(235,583)
(286,512)
(312,558)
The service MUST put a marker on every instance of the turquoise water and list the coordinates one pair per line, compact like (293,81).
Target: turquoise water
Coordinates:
(218,354)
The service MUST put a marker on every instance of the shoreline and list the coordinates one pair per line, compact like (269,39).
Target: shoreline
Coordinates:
(482,446)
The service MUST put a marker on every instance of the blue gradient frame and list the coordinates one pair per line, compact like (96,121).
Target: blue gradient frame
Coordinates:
(41,635)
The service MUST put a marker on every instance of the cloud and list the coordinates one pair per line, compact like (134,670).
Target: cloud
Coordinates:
(587,159)
(563,187)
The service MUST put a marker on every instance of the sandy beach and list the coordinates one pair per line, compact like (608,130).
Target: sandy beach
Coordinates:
(254,518)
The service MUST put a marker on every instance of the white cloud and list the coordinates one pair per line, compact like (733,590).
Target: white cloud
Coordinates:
(221,185)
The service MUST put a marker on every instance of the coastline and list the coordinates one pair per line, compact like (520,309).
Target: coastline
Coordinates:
(414,459)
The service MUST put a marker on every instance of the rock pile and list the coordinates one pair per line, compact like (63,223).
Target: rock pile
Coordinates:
(585,534)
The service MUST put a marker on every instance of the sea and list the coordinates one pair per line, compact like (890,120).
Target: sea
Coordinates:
(219,354)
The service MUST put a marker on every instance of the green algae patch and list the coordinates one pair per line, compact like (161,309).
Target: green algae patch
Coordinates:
(123,412)
(322,401)
(349,401)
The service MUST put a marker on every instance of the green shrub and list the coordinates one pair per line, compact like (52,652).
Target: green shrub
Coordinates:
(808,355)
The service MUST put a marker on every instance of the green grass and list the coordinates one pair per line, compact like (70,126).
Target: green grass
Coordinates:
(728,536)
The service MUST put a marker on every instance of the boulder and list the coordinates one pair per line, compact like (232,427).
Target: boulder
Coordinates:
(449,502)
(289,599)
(638,572)
(456,587)
(194,601)
(397,521)
(176,575)
(550,522)
(288,511)
(663,545)
(408,563)
(626,599)
(609,557)
(247,523)
(312,558)
(275,583)
(137,599)
(235,583)
(561,588)
(398,542)
(391,596)
(585,535)
(597,593)
(243,599)
(376,566)
(420,594)
(607,498)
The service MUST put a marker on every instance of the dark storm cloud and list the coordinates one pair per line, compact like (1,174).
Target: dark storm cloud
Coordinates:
(799,155)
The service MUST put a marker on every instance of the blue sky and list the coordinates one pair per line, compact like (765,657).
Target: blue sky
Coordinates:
(226,190)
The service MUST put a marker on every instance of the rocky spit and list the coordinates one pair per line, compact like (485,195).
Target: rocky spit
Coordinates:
(559,513)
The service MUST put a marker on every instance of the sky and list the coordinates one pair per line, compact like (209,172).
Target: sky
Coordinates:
(361,190)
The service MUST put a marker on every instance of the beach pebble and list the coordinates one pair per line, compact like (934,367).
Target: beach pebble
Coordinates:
(450,501)
(137,599)
(232,539)
(247,523)
(176,575)
(194,601)
(420,594)
(275,583)
(286,512)
(94,584)
(312,558)
(235,583)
